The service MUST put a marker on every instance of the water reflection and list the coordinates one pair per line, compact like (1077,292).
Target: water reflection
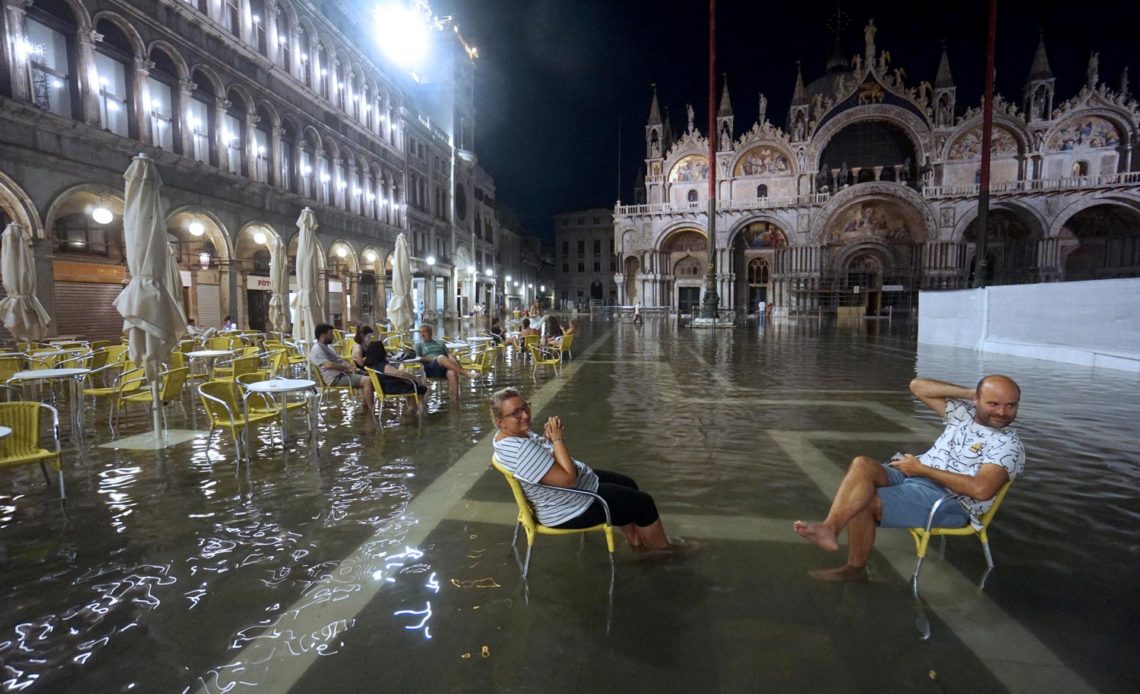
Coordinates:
(205,573)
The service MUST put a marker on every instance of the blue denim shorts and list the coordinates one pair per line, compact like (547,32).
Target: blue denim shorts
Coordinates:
(907,502)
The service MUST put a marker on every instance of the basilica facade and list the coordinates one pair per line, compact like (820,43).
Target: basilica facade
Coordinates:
(870,193)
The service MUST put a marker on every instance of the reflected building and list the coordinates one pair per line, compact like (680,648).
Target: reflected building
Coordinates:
(252,110)
(869,193)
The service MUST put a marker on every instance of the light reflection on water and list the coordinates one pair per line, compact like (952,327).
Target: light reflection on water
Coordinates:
(183,550)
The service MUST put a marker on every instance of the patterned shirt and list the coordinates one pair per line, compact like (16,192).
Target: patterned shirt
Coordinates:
(321,353)
(529,459)
(965,446)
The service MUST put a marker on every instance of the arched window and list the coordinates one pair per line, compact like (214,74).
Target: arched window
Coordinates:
(341,184)
(262,145)
(231,16)
(1080,168)
(757,271)
(305,65)
(112,56)
(285,166)
(306,169)
(761,191)
(200,118)
(52,58)
(161,102)
(233,133)
(257,29)
(693,196)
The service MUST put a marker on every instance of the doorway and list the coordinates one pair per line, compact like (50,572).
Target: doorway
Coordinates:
(688,299)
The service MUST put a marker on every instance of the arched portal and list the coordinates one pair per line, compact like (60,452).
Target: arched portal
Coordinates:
(869,150)
(252,256)
(1011,248)
(683,254)
(753,256)
(1102,242)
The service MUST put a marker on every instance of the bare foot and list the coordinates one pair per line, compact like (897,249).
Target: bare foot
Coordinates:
(840,574)
(817,533)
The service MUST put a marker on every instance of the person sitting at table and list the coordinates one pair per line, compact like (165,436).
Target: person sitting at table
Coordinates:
(334,370)
(517,341)
(496,331)
(393,380)
(551,332)
(363,337)
(438,363)
(229,324)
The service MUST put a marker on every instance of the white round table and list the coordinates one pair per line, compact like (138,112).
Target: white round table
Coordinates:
(76,377)
(5,432)
(279,386)
(209,355)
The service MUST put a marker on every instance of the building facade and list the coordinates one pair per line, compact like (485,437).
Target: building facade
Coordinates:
(252,111)
(870,193)
(584,260)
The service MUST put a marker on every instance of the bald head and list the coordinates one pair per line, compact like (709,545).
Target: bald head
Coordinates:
(996,400)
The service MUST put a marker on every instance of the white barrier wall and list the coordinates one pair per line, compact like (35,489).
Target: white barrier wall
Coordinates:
(1093,323)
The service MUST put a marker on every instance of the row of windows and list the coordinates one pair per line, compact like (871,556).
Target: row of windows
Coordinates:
(581,221)
(597,266)
(582,248)
(196,117)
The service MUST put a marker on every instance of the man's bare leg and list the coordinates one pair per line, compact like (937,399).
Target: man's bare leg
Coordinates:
(860,539)
(856,493)
(453,386)
(453,365)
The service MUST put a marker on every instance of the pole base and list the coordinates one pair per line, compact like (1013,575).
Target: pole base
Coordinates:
(712,323)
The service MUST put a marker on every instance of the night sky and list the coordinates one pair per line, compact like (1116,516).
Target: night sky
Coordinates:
(556,78)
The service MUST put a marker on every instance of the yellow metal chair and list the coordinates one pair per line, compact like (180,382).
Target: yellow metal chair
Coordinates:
(264,402)
(124,380)
(222,400)
(542,356)
(235,367)
(530,524)
(9,365)
(563,346)
(169,391)
(382,396)
(482,362)
(922,536)
(22,446)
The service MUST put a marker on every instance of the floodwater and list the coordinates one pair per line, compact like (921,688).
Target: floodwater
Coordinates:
(383,561)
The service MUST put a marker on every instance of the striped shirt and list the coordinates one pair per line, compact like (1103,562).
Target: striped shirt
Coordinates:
(529,459)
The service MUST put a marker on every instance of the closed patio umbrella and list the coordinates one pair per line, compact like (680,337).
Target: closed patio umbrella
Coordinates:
(174,280)
(307,313)
(278,285)
(23,314)
(400,309)
(151,318)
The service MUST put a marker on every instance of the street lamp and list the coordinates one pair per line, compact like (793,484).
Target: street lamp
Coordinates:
(431,260)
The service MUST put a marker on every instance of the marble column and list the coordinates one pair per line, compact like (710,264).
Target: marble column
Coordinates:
(141,100)
(15,13)
(88,76)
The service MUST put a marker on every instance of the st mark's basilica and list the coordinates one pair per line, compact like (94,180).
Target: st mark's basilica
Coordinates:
(870,192)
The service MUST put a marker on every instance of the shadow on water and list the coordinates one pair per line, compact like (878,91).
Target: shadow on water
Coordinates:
(173,562)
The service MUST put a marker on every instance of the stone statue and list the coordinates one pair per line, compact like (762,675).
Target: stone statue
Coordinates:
(821,178)
(869,37)
(689,110)
(857,63)
(798,127)
(884,60)
(1092,75)
(843,173)
(764,106)
(906,169)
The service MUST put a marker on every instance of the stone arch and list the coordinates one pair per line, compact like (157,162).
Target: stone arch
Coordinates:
(216,231)
(1125,126)
(138,47)
(916,129)
(19,206)
(85,193)
(865,192)
(841,263)
(1031,217)
(349,258)
(1085,202)
(215,82)
(164,47)
(1009,125)
(739,160)
(742,225)
(242,93)
(669,234)
(79,14)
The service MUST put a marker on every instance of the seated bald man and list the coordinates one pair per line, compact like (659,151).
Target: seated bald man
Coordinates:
(976,454)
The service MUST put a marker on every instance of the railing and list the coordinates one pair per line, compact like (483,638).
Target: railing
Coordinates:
(1035,186)
(723,205)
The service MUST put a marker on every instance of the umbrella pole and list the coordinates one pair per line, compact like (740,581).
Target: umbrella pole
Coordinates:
(156,406)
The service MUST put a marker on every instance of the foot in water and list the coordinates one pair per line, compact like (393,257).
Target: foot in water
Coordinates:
(677,548)
(817,533)
(840,574)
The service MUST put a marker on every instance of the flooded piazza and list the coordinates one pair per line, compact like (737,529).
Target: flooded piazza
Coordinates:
(381,560)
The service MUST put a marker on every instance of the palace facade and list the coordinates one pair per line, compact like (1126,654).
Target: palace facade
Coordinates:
(869,193)
(252,110)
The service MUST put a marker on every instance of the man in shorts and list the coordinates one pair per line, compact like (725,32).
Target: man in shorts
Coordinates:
(336,371)
(974,457)
(438,363)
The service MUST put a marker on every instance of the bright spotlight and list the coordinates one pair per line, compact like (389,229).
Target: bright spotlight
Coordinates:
(400,32)
(102,215)
(259,237)
(196,228)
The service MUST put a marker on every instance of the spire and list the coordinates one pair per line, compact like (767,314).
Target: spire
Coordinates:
(654,110)
(943,78)
(725,103)
(798,93)
(667,134)
(1040,68)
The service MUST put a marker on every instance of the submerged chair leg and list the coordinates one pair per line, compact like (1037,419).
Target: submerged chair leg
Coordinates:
(526,564)
(989,564)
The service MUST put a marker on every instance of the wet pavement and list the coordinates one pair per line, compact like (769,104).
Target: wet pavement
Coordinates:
(383,561)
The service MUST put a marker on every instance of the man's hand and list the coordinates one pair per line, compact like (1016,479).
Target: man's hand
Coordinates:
(908,465)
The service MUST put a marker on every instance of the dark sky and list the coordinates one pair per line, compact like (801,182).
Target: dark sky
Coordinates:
(556,77)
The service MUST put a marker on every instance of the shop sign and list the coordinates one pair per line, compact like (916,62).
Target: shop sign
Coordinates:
(72,271)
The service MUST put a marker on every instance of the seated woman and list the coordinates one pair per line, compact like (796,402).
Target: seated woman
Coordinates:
(546,459)
(551,332)
(496,331)
(526,330)
(394,381)
(364,335)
